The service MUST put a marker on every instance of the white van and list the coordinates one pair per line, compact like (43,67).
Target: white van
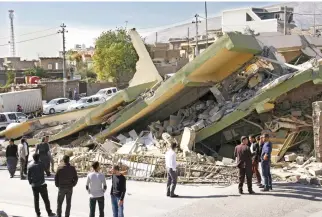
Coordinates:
(7,118)
(107,92)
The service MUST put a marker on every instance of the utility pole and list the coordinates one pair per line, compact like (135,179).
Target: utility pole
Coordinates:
(126,24)
(285,18)
(206,13)
(63,31)
(188,42)
(196,22)
(156,37)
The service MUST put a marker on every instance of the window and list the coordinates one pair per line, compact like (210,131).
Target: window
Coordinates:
(114,90)
(56,66)
(21,115)
(12,117)
(95,99)
(3,118)
(61,101)
(109,92)
(90,100)
(50,66)
(249,18)
(66,100)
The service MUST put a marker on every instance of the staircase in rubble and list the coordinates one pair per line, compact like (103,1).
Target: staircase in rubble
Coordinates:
(281,145)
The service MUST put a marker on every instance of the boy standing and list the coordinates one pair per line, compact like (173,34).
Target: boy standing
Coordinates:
(96,187)
(118,190)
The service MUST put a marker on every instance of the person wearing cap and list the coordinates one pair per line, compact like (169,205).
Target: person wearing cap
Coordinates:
(243,157)
(65,180)
(266,163)
(12,157)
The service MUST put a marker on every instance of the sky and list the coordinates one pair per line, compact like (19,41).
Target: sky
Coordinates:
(85,21)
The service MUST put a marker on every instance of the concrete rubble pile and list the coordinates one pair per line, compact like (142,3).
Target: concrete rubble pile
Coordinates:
(300,170)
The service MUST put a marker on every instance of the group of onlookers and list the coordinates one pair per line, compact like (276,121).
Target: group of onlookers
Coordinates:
(250,154)
(65,179)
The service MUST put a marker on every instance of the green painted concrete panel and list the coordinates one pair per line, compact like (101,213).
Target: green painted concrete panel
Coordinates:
(246,107)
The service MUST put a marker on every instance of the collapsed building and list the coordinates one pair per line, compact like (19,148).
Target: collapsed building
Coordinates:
(239,86)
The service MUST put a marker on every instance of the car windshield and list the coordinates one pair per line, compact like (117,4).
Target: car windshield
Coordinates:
(83,100)
(52,102)
(101,92)
(21,115)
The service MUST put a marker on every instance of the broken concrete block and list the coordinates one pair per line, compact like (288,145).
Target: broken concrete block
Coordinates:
(200,106)
(290,157)
(316,171)
(217,116)
(166,124)
(122,138)
(169,129)
(174,120)
(266,107)
(133,134)
(296,113)
(214,110)
(199,125)
(210,102)
(217,94)
(227,161)
(187,139)
(306,148)
(300,160)
(203,116)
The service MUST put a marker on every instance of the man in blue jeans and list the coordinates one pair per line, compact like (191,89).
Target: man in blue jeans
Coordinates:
(266,163)
(118,190)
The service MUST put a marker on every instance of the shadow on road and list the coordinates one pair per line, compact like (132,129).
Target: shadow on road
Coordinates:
(208,196)
(294,190)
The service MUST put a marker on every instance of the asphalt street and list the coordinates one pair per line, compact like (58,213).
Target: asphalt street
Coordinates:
(147,199)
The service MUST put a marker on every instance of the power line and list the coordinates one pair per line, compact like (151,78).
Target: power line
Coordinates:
(29,39)
(45,30)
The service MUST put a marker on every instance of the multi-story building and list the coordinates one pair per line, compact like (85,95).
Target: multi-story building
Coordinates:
(51,63)
(257,19)
(16,64)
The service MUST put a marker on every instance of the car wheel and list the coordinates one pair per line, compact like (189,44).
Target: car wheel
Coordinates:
(82,107)
(52,111)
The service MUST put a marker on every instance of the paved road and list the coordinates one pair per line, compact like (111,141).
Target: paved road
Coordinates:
(148,200)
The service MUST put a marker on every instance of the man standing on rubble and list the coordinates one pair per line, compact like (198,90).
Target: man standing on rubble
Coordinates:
(65,180)
(36,179)
(171,166)
(266,163)
(254,149)
(12,157)
(44,152)
(244,164)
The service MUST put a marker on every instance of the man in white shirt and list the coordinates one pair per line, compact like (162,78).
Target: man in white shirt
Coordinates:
(171,166)
(22,153)
(96,187)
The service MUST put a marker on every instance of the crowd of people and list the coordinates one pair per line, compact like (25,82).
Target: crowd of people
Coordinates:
(66,179)
(253,153)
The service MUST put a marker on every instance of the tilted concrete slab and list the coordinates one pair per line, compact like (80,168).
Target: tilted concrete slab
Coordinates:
(267,94)
(30,125)
(220,60)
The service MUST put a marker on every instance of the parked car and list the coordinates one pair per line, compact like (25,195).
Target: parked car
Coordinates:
(87,101)
(107,92)
(57,105)
(7,118)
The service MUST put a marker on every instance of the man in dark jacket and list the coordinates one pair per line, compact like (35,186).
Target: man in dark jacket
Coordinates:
(266,163)
(254,148)
(36,179)
(66,178)
(12,157)
(44,152)
(244,164)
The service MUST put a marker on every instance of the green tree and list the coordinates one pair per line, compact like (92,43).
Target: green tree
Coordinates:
(36,71)
(10,77)
(114,55)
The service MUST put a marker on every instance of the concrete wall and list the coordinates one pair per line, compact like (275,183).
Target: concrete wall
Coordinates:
(56,63)
(93,88)
(235,20)
(54,89)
